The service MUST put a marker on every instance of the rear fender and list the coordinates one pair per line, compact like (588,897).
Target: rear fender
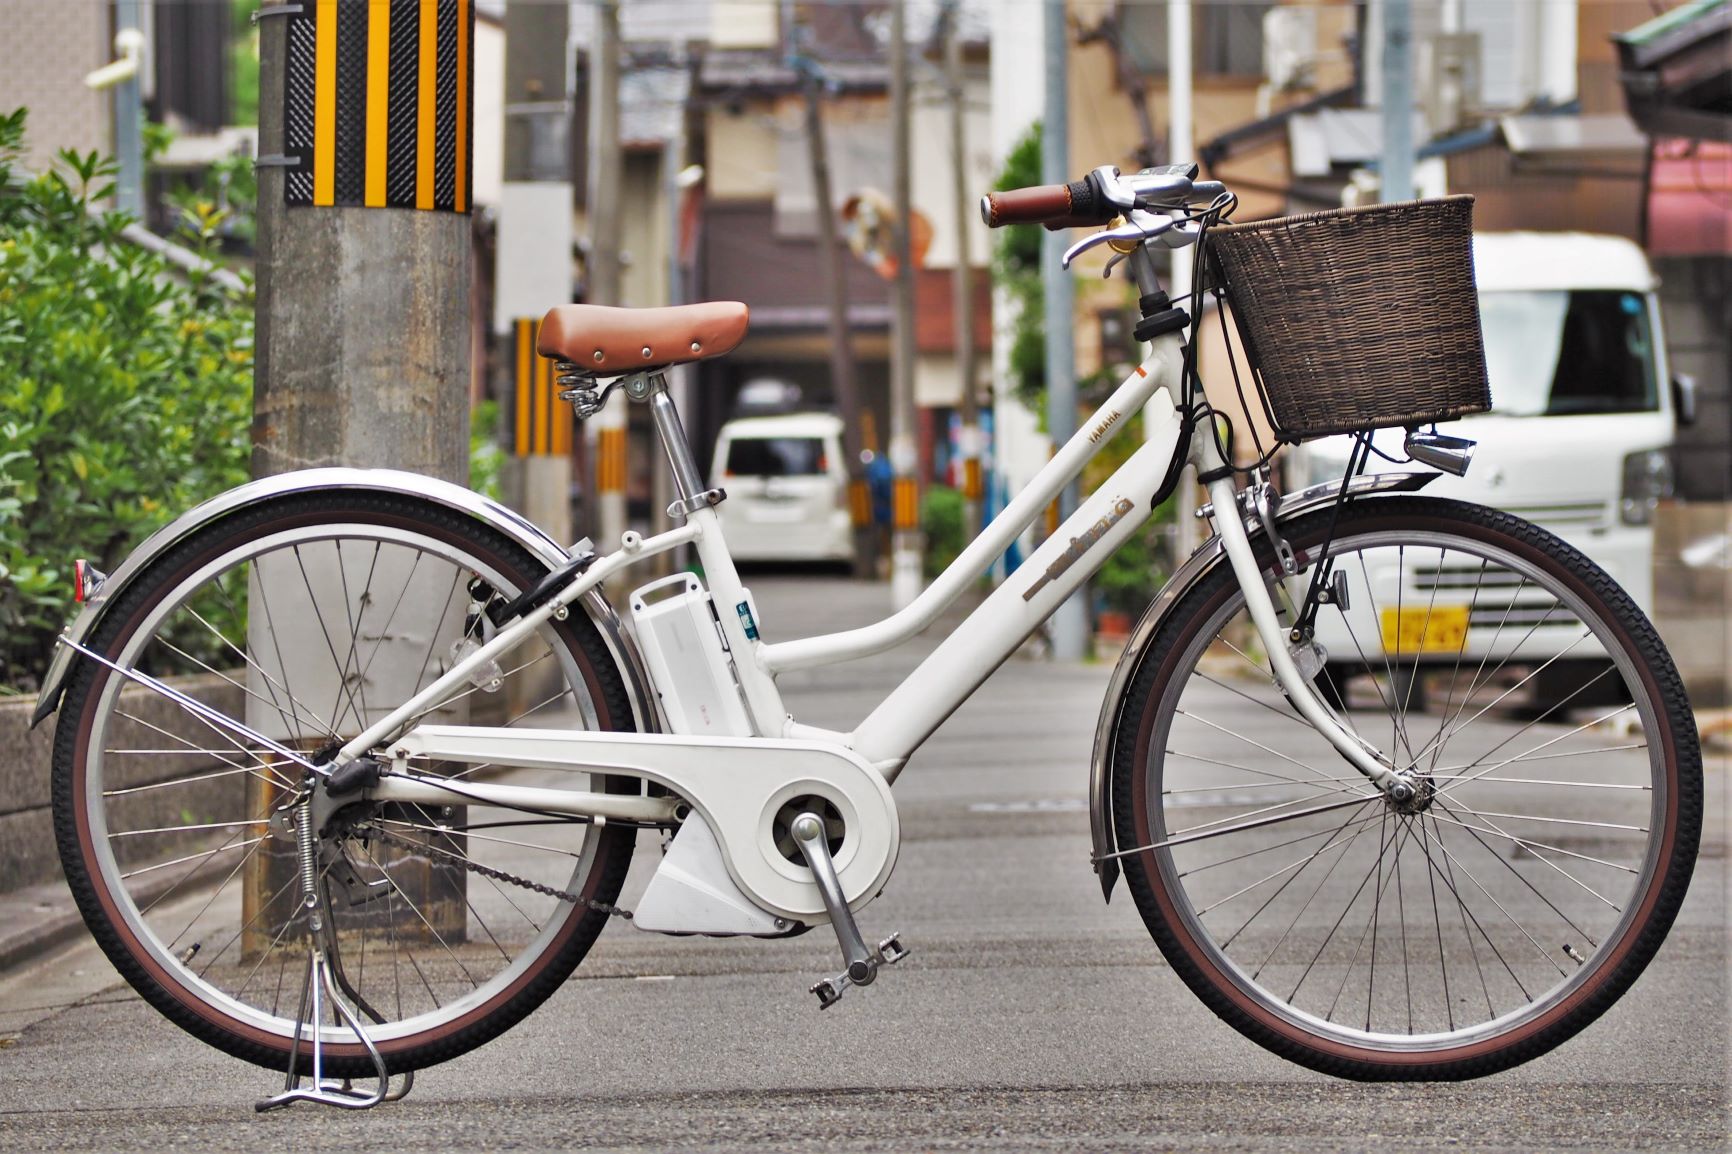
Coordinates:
(454,497)
(1188,576)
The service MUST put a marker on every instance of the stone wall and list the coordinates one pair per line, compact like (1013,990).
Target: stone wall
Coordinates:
(28,855)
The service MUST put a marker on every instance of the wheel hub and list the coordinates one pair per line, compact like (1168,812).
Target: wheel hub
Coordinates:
(1421,789)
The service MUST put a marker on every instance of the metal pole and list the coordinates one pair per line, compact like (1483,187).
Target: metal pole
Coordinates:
(1397,174)
(830,268)
(1180,145)
(906,544)
(532,271)
(607,427)
(968,437)
(129,116)
(1070,620)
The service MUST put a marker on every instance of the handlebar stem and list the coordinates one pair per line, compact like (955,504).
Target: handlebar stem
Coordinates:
(1143,272)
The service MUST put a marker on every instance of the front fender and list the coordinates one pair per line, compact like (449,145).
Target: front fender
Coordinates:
(453,497)
(1198,566)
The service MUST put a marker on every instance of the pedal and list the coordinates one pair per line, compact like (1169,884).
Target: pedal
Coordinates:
(829,990)
(862,963)
(889,952)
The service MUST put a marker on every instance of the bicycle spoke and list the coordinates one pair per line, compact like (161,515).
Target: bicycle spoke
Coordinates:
(1490,769)
(1534,848)
(1343,846)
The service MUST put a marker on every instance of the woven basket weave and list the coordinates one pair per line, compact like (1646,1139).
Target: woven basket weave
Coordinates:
(1358,318)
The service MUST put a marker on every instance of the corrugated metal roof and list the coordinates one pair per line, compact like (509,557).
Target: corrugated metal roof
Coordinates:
(1330,137)
(1612,132)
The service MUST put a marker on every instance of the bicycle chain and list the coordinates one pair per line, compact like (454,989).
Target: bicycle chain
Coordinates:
(501,875)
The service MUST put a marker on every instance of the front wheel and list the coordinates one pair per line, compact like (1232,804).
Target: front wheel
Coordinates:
(302,620)
(1503,909)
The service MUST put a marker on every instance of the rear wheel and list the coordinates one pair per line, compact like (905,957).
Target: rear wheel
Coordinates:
(1476,927)
(303,619)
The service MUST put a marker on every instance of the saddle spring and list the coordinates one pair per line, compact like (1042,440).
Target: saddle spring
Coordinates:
(579,386)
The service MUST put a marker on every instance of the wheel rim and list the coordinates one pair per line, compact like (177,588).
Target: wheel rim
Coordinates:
(1537,836)
(427,967)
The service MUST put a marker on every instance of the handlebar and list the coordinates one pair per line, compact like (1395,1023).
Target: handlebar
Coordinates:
(1056,206)
(1098,197)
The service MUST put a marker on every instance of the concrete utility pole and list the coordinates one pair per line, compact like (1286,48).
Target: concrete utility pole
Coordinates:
(1070,621)
(970,441)
(607,427)
(533,266)
(1397,167)
(1180,145)
(831,269)
(363,351)
(906,545)
(362,358)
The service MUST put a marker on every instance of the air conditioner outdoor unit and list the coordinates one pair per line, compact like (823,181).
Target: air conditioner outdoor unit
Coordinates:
(1289,46)
(1449,65)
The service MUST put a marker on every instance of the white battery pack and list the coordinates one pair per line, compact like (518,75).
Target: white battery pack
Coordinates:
(693,674)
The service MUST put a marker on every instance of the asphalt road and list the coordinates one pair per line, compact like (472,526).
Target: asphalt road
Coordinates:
(1030,1016)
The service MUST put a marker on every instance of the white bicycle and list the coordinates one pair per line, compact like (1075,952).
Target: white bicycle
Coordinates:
(350,764)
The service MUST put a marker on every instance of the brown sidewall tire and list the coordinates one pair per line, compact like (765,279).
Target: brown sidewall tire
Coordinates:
(1621,963)
(100,907)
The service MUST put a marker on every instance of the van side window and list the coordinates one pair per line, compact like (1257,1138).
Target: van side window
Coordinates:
(1562,353)
(776,457)
(1606,361)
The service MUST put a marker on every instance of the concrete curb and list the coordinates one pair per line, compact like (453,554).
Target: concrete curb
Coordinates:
(35,921)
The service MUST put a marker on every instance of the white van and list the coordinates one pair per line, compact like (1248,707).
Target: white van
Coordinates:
(1582,415)
(787,485)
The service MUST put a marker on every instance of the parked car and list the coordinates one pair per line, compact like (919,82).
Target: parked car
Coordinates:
(787,485)
(1578,441)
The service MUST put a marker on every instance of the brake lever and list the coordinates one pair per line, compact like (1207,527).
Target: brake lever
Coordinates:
(1133,230)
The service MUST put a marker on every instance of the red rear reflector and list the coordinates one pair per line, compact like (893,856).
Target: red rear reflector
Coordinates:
(79,568)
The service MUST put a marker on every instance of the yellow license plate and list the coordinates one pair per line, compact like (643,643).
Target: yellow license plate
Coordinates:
(1425,629)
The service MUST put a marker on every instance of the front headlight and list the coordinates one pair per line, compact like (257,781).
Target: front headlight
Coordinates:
(1647,482)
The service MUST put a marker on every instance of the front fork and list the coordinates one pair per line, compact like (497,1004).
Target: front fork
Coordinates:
(1229,524)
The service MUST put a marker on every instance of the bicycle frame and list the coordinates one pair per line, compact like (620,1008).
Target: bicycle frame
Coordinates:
(945,679)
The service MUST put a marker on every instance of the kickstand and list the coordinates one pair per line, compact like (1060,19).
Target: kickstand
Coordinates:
(319,986)
(323,980)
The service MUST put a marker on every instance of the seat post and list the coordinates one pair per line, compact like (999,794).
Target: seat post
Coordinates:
(688,483)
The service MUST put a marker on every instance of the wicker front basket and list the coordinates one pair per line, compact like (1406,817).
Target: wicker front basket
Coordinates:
(1358,318)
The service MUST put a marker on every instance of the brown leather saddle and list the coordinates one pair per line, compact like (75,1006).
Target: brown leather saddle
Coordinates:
(607,341)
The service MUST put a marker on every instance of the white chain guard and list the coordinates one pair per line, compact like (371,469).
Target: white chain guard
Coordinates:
(737,784)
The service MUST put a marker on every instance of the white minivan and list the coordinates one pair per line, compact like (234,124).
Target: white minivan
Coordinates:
(787,486)
(1577,440)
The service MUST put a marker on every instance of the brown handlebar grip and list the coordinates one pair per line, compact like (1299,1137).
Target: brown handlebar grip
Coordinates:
(1035,205)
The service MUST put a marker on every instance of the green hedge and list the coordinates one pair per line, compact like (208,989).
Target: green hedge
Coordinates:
(127,394)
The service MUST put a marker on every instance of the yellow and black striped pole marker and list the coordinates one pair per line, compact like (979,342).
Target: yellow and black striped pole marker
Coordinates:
(972,488)
(543,421)
(860,502)
(378,104)
(905,499)
(610,459)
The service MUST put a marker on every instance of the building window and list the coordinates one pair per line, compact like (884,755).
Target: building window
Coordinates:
(1227,39)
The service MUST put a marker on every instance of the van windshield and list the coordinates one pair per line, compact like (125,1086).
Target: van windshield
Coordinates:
(776,457)
(1555,353)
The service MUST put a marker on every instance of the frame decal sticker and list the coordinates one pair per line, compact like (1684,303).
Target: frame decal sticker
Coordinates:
(1081,545)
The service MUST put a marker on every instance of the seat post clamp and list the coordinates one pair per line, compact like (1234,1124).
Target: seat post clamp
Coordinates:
(686,506)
